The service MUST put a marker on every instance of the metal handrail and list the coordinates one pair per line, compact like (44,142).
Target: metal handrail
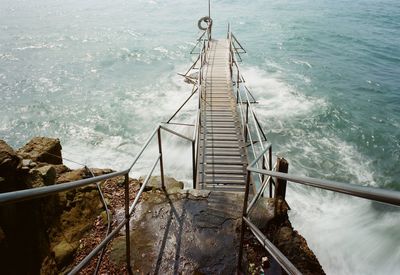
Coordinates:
(244,115)
(391,197)
(371,193)
(34,193)
(39,192)
(272,249)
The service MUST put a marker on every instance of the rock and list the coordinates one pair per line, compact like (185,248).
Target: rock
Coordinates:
(48,173)
(262,212)
(98,172)
(284,234)
(103,216)
(42,149)
(63,252)
(8,159)
(171,184)
(26,163)
(73,175)
(60,169)
(195,193)
(41,176)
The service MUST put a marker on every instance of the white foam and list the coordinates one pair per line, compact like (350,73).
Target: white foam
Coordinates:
(347,234)
(276,98)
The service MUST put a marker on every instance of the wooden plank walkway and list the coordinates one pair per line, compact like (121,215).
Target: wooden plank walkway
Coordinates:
(222,156)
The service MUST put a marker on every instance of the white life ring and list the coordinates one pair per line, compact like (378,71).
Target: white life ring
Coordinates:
(206,20)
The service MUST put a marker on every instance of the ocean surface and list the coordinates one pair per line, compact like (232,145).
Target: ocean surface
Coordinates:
(100,75)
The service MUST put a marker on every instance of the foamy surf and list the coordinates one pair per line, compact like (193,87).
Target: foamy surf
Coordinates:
(335,226)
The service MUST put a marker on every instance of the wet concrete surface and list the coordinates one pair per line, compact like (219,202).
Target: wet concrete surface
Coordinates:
(190,231)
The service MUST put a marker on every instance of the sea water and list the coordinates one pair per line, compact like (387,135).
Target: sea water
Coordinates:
(100,75)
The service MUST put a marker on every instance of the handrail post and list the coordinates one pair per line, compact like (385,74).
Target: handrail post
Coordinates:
(244,214)
(263,167)
(194,164)
(247,121)
(161,157)
(127,230)
(237,91)
(270,168)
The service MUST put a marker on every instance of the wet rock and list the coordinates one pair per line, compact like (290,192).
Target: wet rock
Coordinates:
(184,233)
(42,149)
(280,231)
(262,212)
(171,184)
(8,159)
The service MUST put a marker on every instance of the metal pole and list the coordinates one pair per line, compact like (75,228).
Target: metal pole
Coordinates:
(209,8)
(247,121)
(127,230)
(263,167)
(161,158)
(194,164)
(246,197)
(270,168)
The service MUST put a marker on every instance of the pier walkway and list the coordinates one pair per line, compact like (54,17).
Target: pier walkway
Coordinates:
(222,159)
(170,230)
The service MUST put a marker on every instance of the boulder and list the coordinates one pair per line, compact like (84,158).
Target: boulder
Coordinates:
(48,173)
(73,175)
(42,149)
(262,212)
(42,176)
(171,184)
(8,159)
(63,252)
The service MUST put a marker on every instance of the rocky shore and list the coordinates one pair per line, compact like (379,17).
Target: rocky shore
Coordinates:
(43,235)
(173,230)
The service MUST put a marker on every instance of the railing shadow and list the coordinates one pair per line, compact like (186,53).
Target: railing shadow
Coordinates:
(180,220)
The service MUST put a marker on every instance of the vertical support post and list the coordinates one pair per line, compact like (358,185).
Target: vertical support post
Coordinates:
(244,214)
(194,164)
(282,166)
(247,121)
(209,8)
(161,158)
(127,230)
(263,167)
(237,93)
(270,168)
(209,16)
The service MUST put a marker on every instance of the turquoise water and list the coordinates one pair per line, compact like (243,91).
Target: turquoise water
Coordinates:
(100,75)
